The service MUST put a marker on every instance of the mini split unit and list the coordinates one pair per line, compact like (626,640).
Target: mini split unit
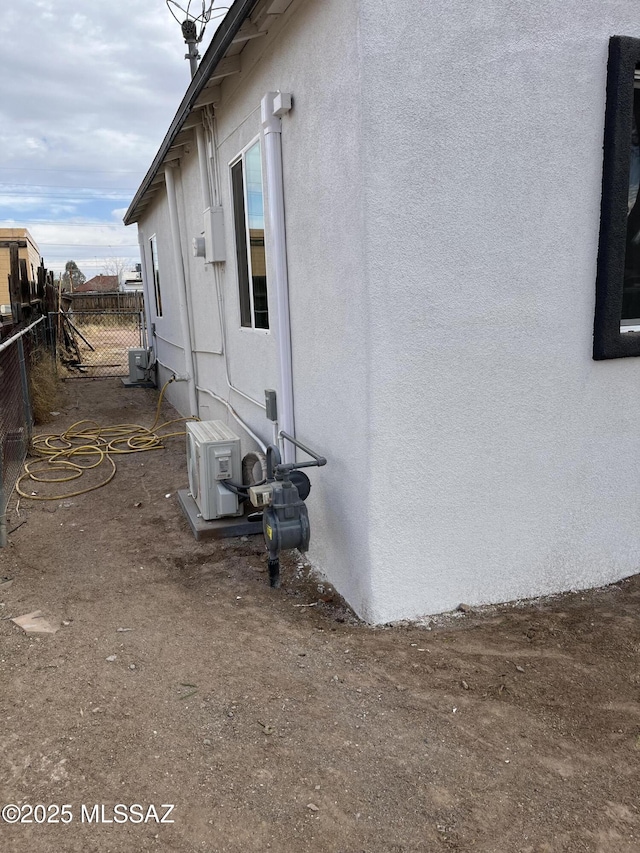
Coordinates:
(214,467)
(213,456)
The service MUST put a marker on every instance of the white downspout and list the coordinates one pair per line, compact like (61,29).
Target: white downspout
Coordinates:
(274,105)
(182,288)
(202,163)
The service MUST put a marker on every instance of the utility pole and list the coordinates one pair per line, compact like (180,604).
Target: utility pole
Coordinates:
(190,35)
(193,26)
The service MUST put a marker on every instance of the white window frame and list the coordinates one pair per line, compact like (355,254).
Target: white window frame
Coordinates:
(233,162)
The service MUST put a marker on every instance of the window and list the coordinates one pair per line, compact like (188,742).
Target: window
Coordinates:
(156,275)
(617,316)
(248,217)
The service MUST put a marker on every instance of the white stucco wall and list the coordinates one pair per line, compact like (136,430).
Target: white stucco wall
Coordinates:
(324,218)
(442,172)
(168,342)
(323,196)
(483,133)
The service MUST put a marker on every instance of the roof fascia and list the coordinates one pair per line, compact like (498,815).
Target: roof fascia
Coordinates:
(220,43)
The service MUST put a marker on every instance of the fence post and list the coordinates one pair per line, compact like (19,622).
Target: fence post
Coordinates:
(3,508)
(26,394)
(14,283)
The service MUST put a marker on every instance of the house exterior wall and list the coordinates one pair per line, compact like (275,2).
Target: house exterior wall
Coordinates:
(327,288)
(168,340)
(442,173)
(321,155)
(523,451)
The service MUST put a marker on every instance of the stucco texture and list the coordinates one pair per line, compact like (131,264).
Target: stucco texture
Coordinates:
(442,176)
(483,155)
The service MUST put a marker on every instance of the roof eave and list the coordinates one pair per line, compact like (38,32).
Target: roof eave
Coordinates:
(220,43)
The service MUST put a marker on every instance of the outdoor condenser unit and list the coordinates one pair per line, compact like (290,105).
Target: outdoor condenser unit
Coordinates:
(213,456)
(139,364)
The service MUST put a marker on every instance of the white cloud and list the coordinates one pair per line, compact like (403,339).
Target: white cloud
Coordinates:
(83,110)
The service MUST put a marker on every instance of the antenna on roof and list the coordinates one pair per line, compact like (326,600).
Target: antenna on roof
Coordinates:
(193,24)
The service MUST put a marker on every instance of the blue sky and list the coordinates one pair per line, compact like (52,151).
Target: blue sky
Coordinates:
(87,92)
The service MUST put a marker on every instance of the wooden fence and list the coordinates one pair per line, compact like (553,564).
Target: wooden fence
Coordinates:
(29,299)
(105,301)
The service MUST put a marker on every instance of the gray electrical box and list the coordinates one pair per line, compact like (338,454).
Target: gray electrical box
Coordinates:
(138,364)
(214,242)
(271,404)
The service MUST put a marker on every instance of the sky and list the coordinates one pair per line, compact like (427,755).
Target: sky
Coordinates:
(87,93)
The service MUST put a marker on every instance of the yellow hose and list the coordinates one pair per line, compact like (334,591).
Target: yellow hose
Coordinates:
(86,439)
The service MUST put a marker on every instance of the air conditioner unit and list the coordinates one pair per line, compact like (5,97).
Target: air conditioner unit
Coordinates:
(213,456)
(139,364)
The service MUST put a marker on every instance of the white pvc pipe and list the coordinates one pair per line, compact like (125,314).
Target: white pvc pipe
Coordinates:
(272,132)
(182,288)
(202,162)
(233,412)
(167,341)
(177,377)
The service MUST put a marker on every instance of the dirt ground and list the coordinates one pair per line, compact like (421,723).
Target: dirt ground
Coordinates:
(275,726)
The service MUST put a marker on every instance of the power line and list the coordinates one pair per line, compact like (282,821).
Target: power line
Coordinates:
(15,189)
(72,171)
(70,196)
(13,224)
(90,245)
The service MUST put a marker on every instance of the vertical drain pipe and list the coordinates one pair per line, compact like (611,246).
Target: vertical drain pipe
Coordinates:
(202,163)
(274,105)
(182,288)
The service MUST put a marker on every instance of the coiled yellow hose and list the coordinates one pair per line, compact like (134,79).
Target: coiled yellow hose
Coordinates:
(72,451)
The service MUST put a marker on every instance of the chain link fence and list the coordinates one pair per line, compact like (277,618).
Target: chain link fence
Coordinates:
(95,343)
(16,419)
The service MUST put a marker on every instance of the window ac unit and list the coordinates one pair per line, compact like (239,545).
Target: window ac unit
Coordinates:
(213,456)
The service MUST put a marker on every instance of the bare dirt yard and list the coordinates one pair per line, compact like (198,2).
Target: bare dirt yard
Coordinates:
(274,726)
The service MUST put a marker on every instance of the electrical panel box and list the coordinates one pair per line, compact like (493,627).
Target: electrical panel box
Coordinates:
(139,360)
(215,249)
(213,456)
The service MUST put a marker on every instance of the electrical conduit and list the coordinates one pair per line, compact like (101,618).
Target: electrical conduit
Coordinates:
(182,288)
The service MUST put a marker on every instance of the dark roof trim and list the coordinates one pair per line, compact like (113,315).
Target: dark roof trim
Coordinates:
(220,43)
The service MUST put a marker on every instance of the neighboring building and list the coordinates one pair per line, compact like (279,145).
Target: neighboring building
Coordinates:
(435,249)
(132,280)
(98,284)
(28,251)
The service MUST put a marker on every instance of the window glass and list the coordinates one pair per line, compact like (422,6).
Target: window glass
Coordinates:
(242,257)
(248,206)
(616,325)
(631,290)
(156,275)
